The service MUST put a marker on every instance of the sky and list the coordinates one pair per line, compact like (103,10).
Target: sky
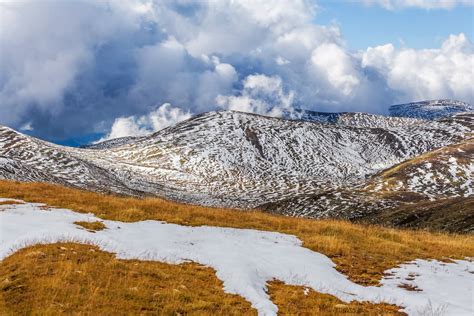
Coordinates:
(363,26)
(74,72)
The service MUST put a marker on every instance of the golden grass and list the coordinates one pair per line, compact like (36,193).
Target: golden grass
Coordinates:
(361,252)
(68,278)
(91,226)
(80,279)
(296,300)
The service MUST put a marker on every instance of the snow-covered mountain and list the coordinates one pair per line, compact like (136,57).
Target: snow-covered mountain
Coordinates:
(400,114)
(235,159)
(431,109)
(25,158)
(349,118)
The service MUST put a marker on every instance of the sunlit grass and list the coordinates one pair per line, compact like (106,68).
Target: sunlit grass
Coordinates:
(81,279)
(91,226)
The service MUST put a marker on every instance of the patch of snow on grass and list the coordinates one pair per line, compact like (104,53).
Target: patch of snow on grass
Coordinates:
(439,283)
(244,259)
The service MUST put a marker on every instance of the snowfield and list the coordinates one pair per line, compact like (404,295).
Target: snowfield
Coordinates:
(245,260)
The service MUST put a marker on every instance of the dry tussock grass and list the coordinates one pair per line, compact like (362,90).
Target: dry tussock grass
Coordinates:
(69,278)
(362,252)
(296,300)
(80,279)
(91,226)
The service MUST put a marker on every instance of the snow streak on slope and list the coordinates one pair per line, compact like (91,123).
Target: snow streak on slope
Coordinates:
(115,142)
(233,159)
(245,260)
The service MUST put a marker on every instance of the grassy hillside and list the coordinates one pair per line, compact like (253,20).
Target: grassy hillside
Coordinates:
(443,175)
(45,279)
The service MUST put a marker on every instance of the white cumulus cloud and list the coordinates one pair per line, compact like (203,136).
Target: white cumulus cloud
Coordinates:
(156,120)
(337,67)
(260,94)
(427,73)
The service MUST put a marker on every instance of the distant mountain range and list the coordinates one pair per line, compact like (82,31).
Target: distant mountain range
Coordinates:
(430,110)
(346,165)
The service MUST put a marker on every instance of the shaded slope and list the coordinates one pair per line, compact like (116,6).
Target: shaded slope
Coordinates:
(454,215)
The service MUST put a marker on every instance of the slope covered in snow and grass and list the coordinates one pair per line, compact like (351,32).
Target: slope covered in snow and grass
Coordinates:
(245,260)
(442,173)
(243,160)
(432,190)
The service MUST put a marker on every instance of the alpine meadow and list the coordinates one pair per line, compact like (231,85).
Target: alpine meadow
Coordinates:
(236,157)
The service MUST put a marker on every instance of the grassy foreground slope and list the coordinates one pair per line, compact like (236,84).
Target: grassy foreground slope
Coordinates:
(82,278)
(71,278)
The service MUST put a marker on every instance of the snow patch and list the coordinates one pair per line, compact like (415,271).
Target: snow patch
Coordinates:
(244,259)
